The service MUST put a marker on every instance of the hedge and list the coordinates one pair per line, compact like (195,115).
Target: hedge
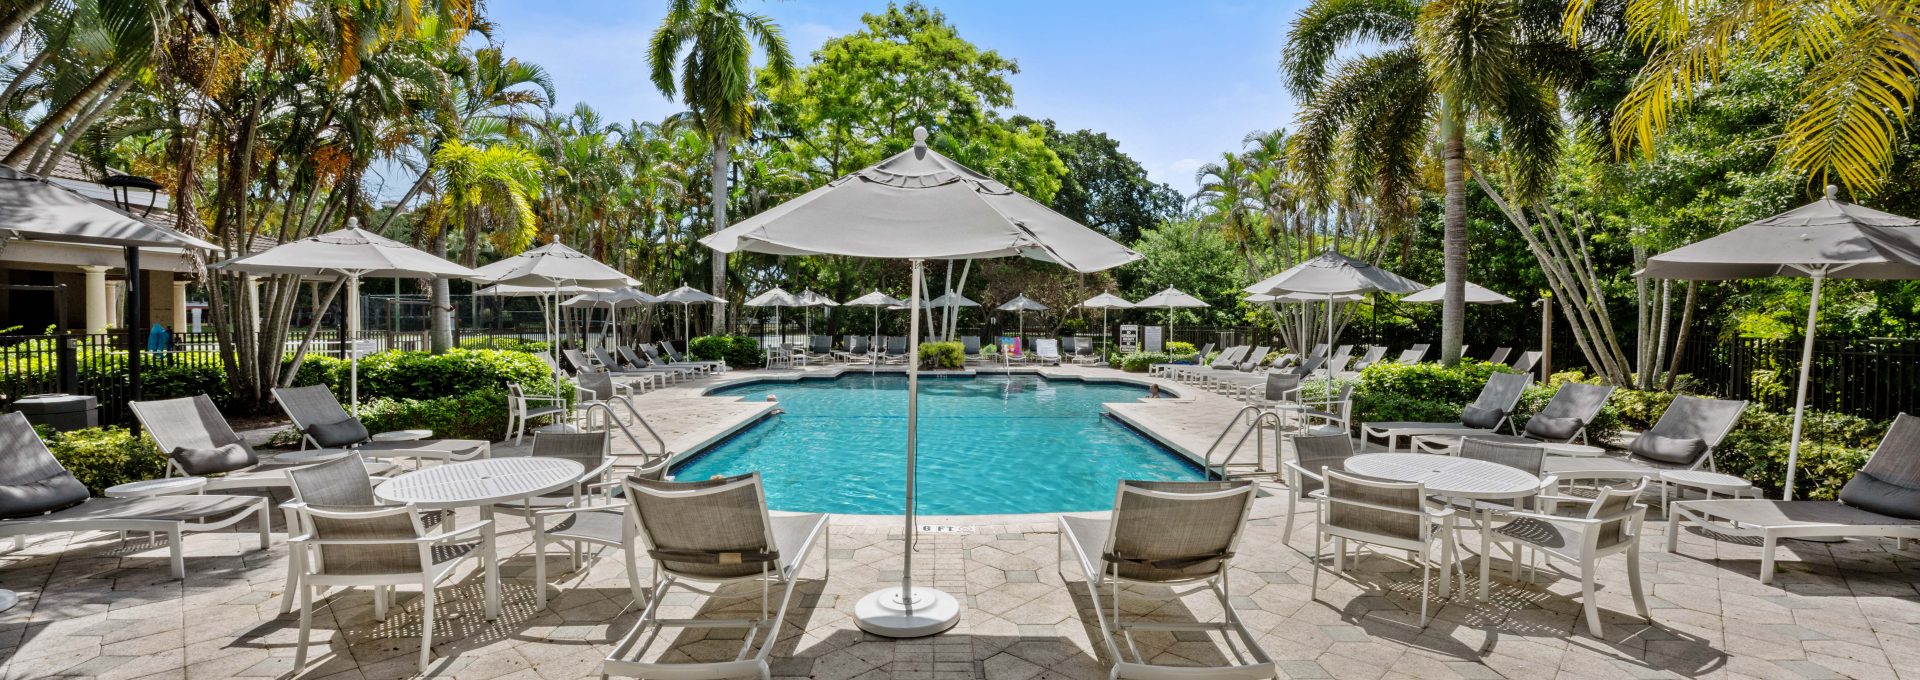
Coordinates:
(942,355)
(101,457)
(738,351)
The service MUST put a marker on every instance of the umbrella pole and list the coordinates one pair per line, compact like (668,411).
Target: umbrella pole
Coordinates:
(907,612)
(353,360)
(1800,397)
(1329,368)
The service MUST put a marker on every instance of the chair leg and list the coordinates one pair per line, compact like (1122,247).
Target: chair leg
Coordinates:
(306,626)
(1588,599)
(1766,558)
(381,599)
(1426,587)
(493,575)
(1286,533)
(1633,582)
(266,524)
(426,624)
(176,554)
(539,565)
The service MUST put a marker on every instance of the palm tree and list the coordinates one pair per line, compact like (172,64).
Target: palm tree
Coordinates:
(1439,67)
(1858,92)
(713,42)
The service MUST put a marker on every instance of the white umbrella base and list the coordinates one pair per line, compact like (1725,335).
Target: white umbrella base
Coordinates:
(887,613)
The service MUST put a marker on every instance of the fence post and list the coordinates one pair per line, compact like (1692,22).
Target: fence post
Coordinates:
(67,364)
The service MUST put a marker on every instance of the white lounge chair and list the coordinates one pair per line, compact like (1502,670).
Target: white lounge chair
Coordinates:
(1490,411)
(1047,351)
(39,496)
(1167,534)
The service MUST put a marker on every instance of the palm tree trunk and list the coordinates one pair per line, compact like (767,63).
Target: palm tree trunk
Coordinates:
(80,126)
(440,313)
(719,196)
(18,18)
(39,60)
(43,133)
(1453,309)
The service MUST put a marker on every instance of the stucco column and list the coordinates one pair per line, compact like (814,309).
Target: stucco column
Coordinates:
(98,308)
(253,303)
(353,307)
(115,310)
(180,306)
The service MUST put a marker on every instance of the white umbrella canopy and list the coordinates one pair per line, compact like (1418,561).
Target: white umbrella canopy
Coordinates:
(1021,304)
(1476,295)
(553,264)
(1329,274)
(687,296)
(625,297)
(506,290)
(918,205)
(1104,302)
(776,298)
(1171,299)
(351,253)
(877,300)
(1261,298)
(35,209)
(808,298)
(1828,238)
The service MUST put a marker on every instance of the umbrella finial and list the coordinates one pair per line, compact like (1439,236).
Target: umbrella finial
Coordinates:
(353,223)
(1833,192)
(919,137)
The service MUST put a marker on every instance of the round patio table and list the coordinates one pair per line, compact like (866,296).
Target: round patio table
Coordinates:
(1454,477)
(480,483)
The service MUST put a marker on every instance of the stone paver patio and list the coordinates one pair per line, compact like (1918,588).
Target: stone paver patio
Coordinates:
(93,607)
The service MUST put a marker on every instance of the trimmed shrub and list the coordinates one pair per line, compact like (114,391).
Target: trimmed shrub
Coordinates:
(508,343)
(942,355)
(480,414)
(1138,362)
(1833,447)
(1396,392)
(419,375)
(102,457)
(738,351)
(1177,348)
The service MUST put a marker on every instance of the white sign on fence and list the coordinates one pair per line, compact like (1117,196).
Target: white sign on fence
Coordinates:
(1156,339)
(1129,338)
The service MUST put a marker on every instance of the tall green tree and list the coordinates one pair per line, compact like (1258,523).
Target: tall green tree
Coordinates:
(712,41)
(1436,68)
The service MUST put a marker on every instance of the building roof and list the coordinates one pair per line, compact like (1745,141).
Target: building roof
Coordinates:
(70,167)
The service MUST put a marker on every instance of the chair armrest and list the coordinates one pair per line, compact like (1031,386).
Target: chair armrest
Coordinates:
(485,524)
(551,512)
(1295,467)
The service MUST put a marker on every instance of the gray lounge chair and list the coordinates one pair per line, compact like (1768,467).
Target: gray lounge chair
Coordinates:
(1879,502)
(715,531)
(653,361)
(39,496)
(629,365)
(1683,439)
(1341,355)
(1489,412)
(896,350)
(1416,353)
(970,349)
(1563,420)
(325,424)
(1373,356)
(857,350)
(1166,534)
(674,357)
(1229,358)
(198,442)
(1527,361)
(1084,351)
(1499,355)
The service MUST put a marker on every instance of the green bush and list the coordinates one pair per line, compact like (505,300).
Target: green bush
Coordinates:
(1177,347)
(508,343)
(480,414)
(1138,362)
(1833,447)
(419,375)
(942,355)
(101,457)
(738,351)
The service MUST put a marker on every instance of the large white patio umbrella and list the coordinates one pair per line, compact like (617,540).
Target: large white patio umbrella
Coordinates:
(877,300)
(1476,295)
(1020,305)
(918,205)
(776,298)
(1171,299)
(1828,238)
(1104,302)
(352,254)
(1331,274)
(553,265)
(625,297)
(689,296)
(811,299)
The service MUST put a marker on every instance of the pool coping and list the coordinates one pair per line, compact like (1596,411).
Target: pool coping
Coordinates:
(1171,392)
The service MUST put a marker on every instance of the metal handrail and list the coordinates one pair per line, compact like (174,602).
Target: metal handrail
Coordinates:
(1255,417)
(614,418)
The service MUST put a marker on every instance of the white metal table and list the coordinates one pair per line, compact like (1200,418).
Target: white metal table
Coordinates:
(1453,477)
(480,483)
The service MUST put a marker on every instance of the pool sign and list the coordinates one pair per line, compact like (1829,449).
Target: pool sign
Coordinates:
(945,529)
(1129,338)
(1154,337)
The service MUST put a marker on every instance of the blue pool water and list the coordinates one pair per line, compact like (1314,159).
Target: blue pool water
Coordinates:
(988,445)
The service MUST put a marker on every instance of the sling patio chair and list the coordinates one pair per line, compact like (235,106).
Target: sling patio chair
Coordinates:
(1373,356)
(1526,362)
(652,360)
(1391,515)
(632,365)
(1329,414)
(1499,355)
(322,422)
(1311,454)
(1341,355)
(590,519)
(715,532)
(1882,500)
(896,350)
(642,374)
(380,546)
(522,408)
(1609,525)
(1563,420)
(1046,351)
(39,496)
(1167,534)
(198,442)
(675,358)
(1684,439)
(1490,411)
(859,352)
(1232,379)
(337,482)
(1086,353)
(970,350)
(1413,355)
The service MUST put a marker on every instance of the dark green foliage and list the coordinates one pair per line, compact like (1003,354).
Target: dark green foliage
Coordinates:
(419,375)
(942,355)
(738,351)
(102,457)
(1835,445)
(479,414)
(507,343)
(1138,362)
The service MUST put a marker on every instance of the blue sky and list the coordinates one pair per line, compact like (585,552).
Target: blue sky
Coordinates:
(1177,83)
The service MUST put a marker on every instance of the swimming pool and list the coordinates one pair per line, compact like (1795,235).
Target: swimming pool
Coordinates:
(988,445)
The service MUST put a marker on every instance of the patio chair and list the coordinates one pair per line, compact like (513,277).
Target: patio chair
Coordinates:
(1684,439)
(858,352)
(383,547)
(1387,514)
(1047,351)
(580,519)
(1413,355)
(1499,355)
(1240,376)
(1086,353)
(1562,421)
(198,442)
(653,360)
(1882,500)
(1167,534)
(896,350)
(715,531)
(674,357)
(1334,412)
(1311,454)
(1527,361)
(1373,356)
(1319,350)
(1609,526)
(1341,355)
(39,496)
(1227,359)
(630,366)
(522,408)
(324,423)
(970,350)
(1490,411)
